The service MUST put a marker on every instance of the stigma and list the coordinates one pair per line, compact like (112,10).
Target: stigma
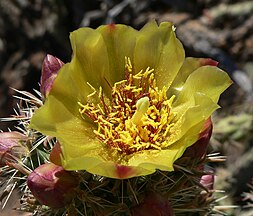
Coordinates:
(141,108)
(138,116)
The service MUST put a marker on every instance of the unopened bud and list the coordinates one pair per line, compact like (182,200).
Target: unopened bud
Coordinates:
(53,186)
(207,181)
(51,66)
(11,148)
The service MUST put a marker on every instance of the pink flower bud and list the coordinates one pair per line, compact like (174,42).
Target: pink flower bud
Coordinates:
(153,204)
(199,148)
(207,181)
(11,148)
(53,186)
(51,66)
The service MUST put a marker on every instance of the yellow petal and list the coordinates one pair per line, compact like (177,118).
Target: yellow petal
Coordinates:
(157,47)
(120,43)
(197,99)
(94,157)
(90,58)
(198,112)
(208,80)
(190,64)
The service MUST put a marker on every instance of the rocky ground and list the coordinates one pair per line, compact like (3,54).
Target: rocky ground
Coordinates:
(222,30)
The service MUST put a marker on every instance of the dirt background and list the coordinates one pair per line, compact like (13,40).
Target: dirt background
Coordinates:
(219,29)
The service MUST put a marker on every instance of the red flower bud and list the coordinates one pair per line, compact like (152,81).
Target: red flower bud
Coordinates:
(53,186)
(51,66)
(153,204)
(11,148)
(199,148)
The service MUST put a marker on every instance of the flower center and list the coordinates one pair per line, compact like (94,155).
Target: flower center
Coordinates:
(138,117)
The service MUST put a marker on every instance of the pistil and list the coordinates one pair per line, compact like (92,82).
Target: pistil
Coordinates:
(142,106)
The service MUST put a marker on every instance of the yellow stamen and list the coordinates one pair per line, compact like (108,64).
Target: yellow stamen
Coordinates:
(138,117)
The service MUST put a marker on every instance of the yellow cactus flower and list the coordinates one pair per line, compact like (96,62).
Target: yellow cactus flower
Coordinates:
(129,102)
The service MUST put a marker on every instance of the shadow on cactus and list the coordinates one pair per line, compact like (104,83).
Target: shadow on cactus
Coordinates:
(123,128)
